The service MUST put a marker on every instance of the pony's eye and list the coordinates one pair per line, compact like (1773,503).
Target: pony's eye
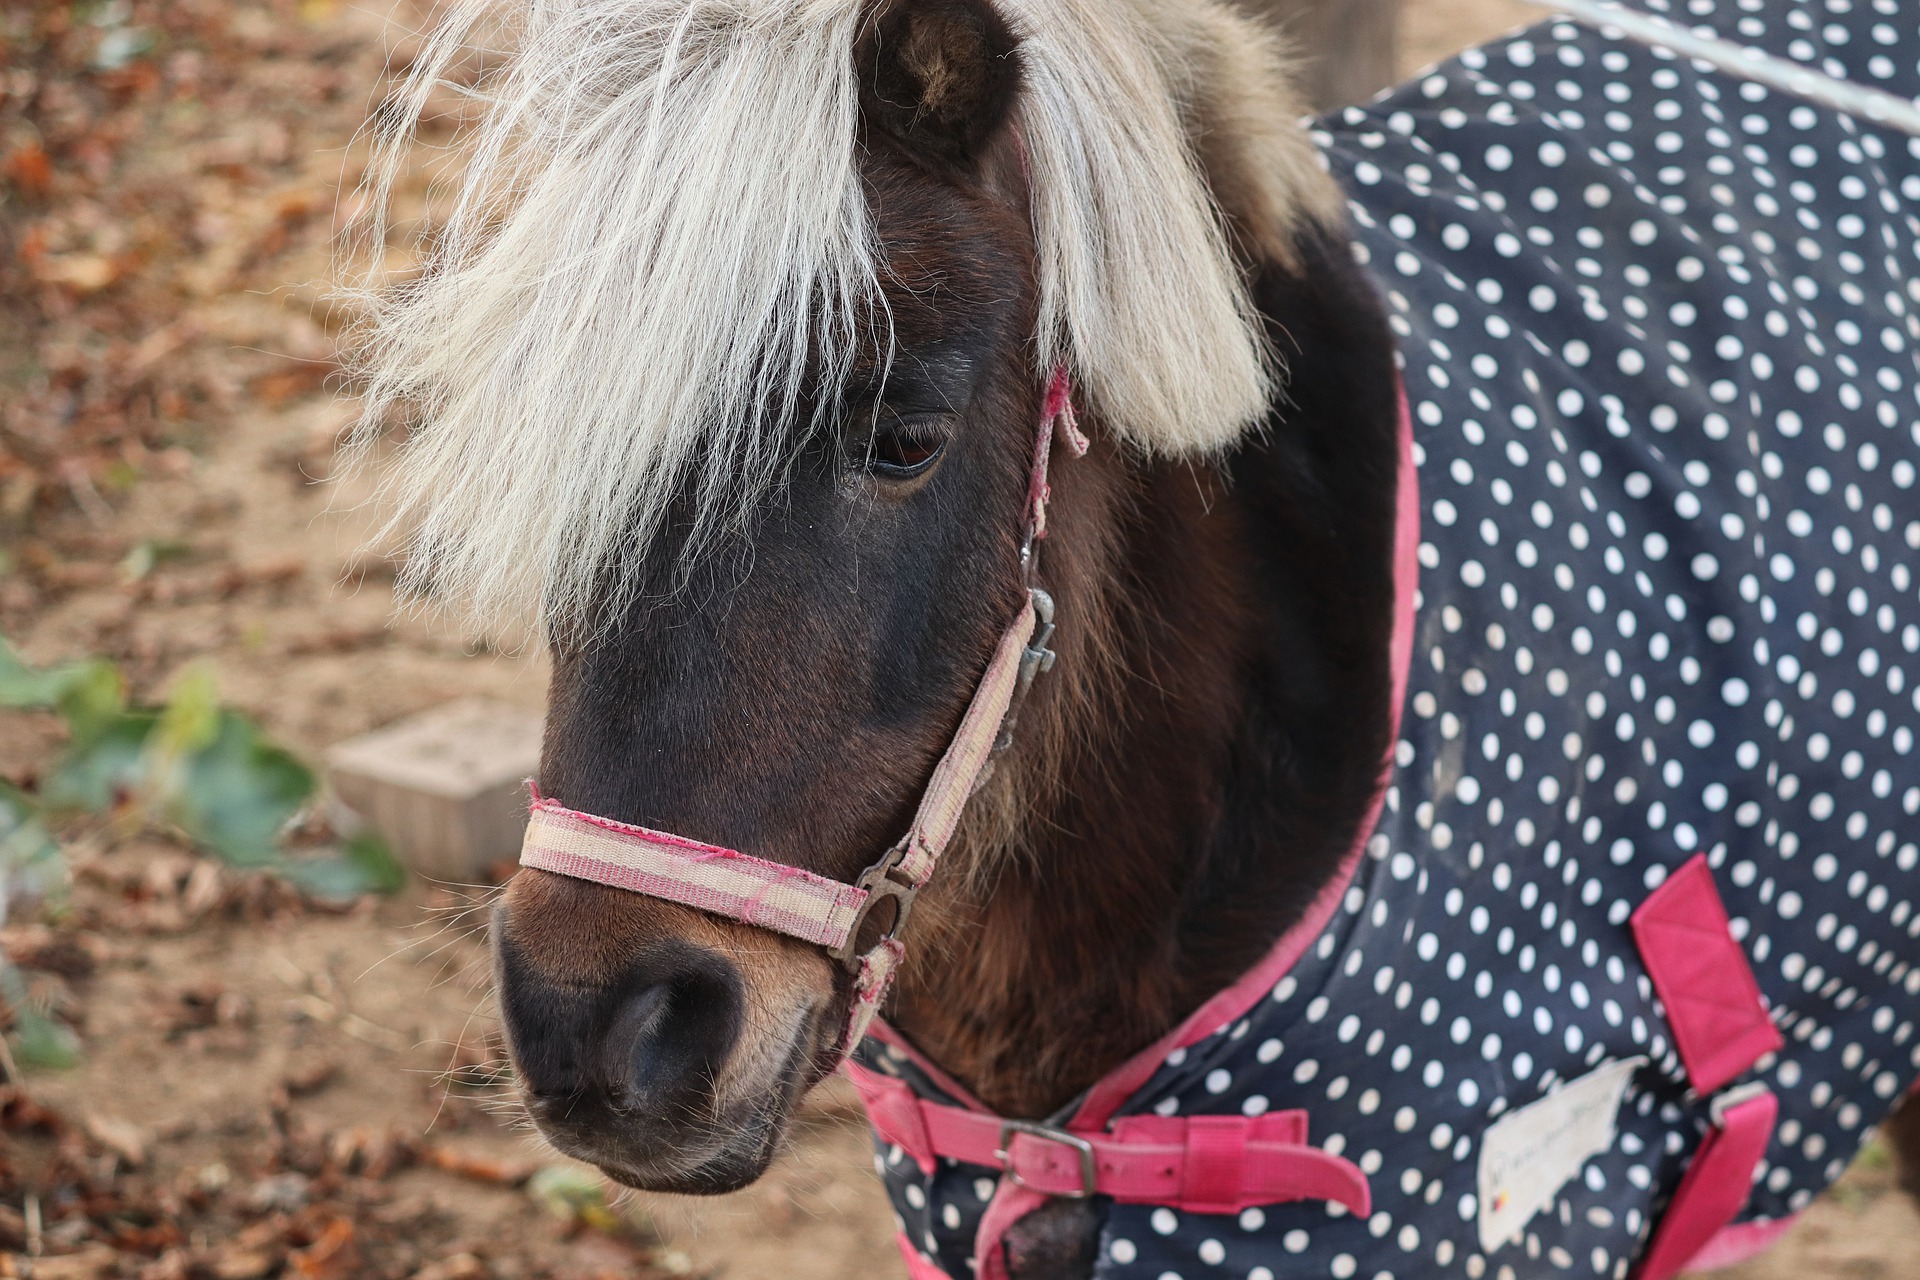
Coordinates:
(901,450)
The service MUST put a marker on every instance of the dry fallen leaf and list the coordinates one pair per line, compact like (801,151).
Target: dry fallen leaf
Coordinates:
(82,272)
(29,169)
(505,1173)
(95,1262)
(331,1255)
(244,1264)
(122,1137)
(461,1266)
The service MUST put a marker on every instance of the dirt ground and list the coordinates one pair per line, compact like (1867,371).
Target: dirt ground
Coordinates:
(313,1092)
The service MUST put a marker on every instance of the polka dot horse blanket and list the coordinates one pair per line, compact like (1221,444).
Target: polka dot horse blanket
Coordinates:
(1658,331)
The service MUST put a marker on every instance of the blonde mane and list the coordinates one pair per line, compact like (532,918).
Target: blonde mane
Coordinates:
(659,235)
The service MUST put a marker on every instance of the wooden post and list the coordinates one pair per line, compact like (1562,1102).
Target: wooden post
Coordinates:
(446,788)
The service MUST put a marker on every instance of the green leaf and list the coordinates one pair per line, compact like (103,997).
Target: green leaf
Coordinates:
(188,726)
(29,855)
(207,770)
(235,794)
(579,1197)
(376,861)
(99,767)
(84,689)
(41,1042)
(30,863)
(571,1193)
(331,876)
(363,865)
(147,554)
(93,701)
(191,721)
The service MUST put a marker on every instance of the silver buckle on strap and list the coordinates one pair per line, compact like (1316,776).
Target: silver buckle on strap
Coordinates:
(1727,1099)
(1035,660)
(1089,1169)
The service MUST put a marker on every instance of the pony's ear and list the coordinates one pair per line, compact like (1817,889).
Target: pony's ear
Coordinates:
(937,76)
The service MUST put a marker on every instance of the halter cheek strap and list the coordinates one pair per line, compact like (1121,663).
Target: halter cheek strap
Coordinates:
(798,903)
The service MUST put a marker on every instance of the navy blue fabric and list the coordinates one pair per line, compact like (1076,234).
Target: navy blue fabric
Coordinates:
(1658,331)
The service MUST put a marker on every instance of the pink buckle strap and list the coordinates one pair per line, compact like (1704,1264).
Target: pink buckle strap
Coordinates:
(1717,1182)
(1198,1164)
(1011,1202)
(1721,1028)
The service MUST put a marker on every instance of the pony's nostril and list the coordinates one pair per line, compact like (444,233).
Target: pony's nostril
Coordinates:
(647,1041)
(667,1041)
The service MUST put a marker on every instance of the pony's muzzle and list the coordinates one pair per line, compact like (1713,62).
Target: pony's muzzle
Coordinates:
(632,1048)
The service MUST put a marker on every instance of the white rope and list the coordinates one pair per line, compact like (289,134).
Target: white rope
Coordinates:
(1874,105)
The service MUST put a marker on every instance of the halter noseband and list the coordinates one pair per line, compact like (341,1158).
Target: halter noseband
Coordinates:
(798,903)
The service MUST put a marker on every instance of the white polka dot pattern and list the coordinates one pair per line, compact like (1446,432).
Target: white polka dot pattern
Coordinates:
(1658,329)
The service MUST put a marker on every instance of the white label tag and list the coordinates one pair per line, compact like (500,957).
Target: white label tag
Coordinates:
(1528,1156)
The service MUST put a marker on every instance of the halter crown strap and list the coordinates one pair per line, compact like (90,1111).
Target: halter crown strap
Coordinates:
(796,902)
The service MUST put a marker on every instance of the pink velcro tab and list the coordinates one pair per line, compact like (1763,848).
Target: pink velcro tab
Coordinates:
(1174,1131)
(1216,1162)
(1713,1003)
(1716,1184)
(1223,1164)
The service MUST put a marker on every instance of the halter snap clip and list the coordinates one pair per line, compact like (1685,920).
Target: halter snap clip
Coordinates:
(1035,660)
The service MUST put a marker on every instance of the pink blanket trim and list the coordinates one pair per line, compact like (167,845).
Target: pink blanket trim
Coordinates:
(1223,1008)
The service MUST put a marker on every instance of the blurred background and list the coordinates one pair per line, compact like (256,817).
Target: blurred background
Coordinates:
(241,1039)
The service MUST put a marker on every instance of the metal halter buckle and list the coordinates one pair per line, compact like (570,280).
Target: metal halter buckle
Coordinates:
(1089,1170)
(879,883)
(1035,659)
(1727,1099)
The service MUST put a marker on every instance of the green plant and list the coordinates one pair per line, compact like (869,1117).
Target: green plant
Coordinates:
(200,770)
(30,866)
(578,1197)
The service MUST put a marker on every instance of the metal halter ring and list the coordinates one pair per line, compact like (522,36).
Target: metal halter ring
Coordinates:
(878,882)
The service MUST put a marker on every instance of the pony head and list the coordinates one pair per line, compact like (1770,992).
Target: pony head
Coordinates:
(724,366)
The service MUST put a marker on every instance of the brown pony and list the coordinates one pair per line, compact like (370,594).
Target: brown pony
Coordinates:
(1219,695)
(772,579)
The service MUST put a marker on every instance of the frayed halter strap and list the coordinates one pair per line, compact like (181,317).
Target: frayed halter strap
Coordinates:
(789,900)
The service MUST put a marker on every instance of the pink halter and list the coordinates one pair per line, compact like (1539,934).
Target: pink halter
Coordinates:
(799,903)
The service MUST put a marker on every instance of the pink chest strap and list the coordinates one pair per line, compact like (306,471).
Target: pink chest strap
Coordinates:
(1197,1164)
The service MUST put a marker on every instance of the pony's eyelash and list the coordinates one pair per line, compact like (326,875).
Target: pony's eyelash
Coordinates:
(903,445)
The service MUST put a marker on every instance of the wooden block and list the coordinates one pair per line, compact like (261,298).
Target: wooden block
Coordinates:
(445,788)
